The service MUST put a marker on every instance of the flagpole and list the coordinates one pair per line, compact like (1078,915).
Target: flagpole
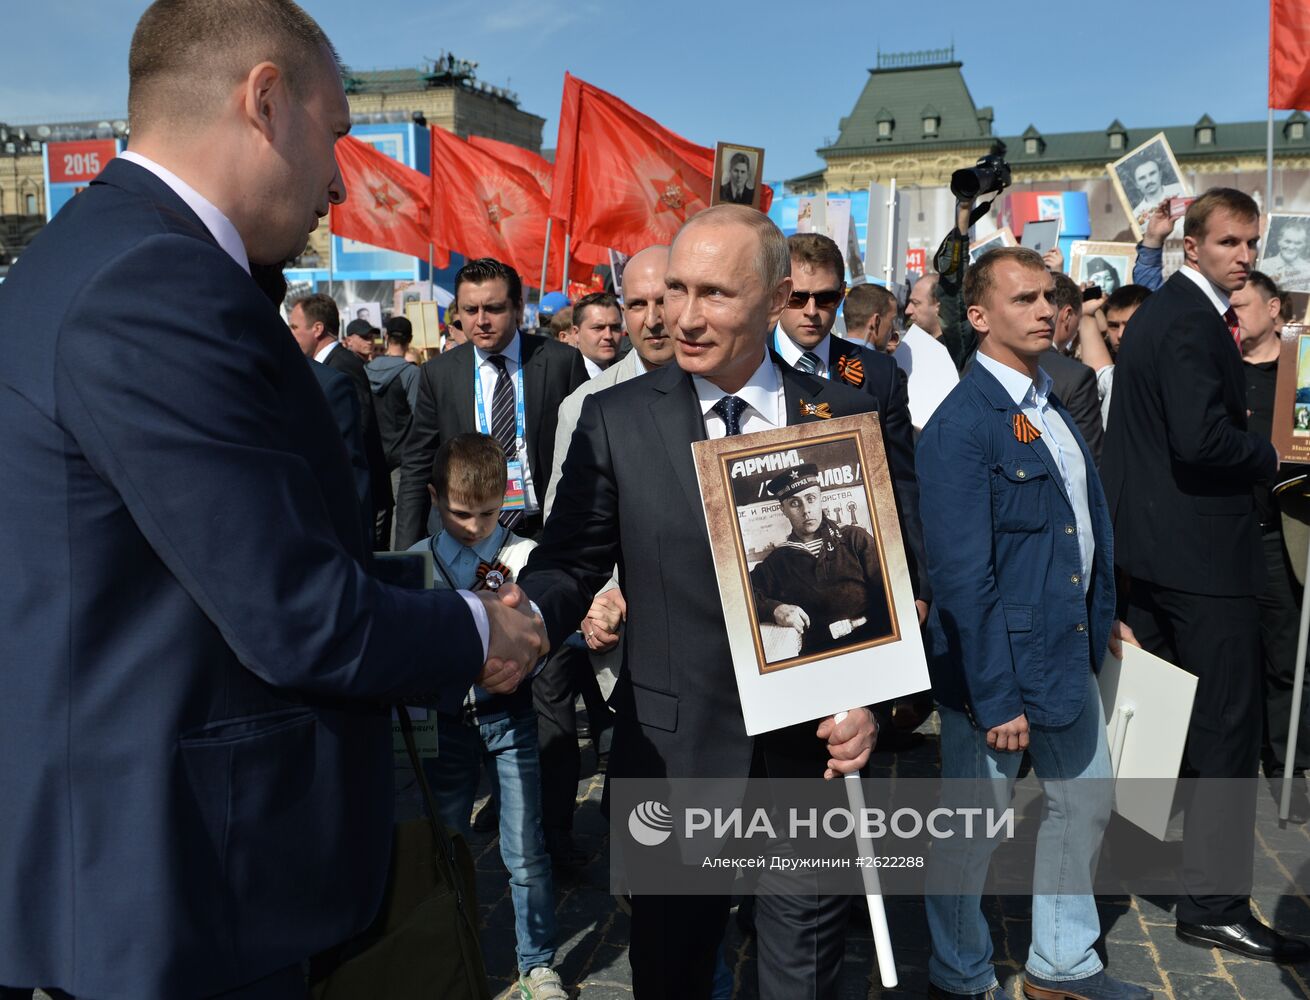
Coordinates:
(1269,166)
(432,278)
(332,254)
(545,257)
(565,279)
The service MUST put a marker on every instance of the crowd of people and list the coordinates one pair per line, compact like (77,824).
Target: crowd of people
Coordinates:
(201,662)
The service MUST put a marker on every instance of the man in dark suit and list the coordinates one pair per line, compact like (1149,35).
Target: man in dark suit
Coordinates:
(1179,468)
(197,779)
(1019,550)
(628,495)
(344,404)
(316,323)
(1071,380)
(529,375)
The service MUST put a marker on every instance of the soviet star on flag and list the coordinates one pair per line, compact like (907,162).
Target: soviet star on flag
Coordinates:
(387,204)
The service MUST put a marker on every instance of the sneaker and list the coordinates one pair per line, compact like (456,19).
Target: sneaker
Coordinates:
(542,983)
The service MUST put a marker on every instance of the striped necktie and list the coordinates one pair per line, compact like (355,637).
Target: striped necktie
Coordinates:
(1234,330)
(808,363)
(503,425)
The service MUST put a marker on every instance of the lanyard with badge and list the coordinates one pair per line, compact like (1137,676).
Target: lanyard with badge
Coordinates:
(515,496)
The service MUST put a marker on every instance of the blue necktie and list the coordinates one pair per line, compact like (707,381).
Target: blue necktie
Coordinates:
(730,409)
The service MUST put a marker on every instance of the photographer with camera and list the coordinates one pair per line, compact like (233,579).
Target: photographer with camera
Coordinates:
(990,175)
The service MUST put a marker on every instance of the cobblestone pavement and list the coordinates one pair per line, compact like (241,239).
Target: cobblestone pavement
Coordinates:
(1139,942)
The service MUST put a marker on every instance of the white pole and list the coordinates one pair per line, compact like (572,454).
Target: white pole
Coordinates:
(1298,683)
(1269,165)
(889,266)
(432,278)
(545,257)
(564,279)
(882,938)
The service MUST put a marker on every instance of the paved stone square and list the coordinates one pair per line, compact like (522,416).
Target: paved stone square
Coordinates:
(1139,943)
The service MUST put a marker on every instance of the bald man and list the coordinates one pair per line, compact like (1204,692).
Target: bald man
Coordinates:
(193,704)
(628,495)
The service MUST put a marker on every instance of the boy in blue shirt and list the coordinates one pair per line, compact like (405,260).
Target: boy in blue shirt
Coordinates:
(474,552)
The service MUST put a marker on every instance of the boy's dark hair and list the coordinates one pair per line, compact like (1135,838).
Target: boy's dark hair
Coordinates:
(472,466)
(1127,297)
(484,269)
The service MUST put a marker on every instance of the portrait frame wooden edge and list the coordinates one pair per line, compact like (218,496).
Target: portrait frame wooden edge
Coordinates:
(1117,183)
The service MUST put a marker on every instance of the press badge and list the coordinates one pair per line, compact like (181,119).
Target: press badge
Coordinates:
(515,499)
(423,721)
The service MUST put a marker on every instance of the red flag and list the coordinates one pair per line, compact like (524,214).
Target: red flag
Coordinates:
(387,204)
(623,180)
(484,206)
(544,171)
(1289,54)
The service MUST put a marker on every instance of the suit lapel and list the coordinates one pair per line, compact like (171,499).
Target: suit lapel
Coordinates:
(845,363)
(534,379)
(675,411)
(462,394)
(803,393)
(1001,401)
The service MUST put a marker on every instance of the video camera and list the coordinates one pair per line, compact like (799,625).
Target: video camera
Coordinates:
(991,173)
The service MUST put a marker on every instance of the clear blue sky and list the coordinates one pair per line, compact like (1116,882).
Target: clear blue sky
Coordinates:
(777,75)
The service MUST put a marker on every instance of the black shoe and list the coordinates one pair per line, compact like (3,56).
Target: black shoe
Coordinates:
(1248,937)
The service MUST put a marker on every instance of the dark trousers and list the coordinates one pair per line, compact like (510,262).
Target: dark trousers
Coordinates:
(1218,640)
(285,984)
(555,691)
(1280,620)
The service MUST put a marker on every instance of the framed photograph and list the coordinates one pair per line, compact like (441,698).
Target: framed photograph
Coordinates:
(371,311)
(811,570)
(738,173)
(1041,235)
(1291,434)
(1144,177)
(1285,252)
(1109,265)
(618,261)
(1003,237)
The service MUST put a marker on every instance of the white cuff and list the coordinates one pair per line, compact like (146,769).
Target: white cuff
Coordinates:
(479,614)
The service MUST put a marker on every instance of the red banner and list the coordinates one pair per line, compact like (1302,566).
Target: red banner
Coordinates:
(1289,54)
(387,204)
(622,179)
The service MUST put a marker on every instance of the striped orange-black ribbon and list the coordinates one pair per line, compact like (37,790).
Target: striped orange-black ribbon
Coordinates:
(1024,431)
(499,575)
(851,369)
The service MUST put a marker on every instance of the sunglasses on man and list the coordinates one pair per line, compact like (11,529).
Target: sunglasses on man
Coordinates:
(826,298)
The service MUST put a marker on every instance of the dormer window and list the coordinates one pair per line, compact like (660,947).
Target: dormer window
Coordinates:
(930,126)
(932,120)
(1116,140)
(885,129)
(1296,130)
(1030,147)
(886,123)
(1032,141)
(1205,136)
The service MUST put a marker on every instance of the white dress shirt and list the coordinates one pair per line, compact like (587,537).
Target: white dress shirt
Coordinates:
(325,350)
(791,353)
(1033,399)
(488,373)
(220,227)
(593,369)
(1218,298)
(929,370)
(766,404)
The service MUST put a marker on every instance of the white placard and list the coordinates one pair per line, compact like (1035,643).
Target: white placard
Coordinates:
(1148,706)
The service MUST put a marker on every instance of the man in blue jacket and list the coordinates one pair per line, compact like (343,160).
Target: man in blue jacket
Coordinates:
(195,666)
(1019,556)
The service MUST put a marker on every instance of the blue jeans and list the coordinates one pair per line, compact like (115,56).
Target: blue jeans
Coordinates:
(509,749)
(1065,923)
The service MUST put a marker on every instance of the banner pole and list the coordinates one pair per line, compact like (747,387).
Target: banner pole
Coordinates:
(1298,684)
(332,256)
(564,279)
(889,266)
(882,940)
(1269,166)
(545,257)
(432,278)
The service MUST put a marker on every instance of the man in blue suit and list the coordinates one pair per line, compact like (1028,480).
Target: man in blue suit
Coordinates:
(1020,558)
(196,667)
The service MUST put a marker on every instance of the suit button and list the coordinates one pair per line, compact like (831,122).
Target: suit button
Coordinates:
(1075,578)
(1081,627)
(1020,474)
(1068,529)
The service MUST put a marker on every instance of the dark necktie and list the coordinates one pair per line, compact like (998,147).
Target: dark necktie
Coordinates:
(808,363)
(503,426)
(730,409)
(1234,330)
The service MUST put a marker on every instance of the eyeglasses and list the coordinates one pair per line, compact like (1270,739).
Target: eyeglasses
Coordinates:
(826,299)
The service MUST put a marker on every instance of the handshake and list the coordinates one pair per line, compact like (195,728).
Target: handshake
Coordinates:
(516,639)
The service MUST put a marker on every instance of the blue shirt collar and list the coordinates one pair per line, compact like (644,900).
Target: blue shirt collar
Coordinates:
(448,548)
